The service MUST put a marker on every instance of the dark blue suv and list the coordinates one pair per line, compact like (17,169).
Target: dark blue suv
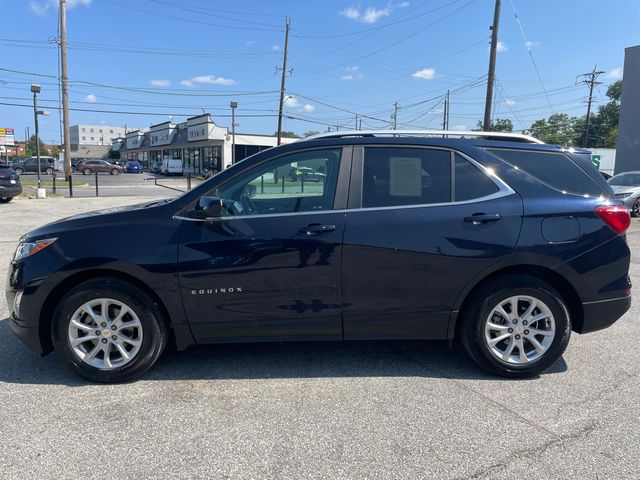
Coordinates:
(496,240)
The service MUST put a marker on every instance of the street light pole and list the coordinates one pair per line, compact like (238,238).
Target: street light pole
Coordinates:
(233,106)
(36,89)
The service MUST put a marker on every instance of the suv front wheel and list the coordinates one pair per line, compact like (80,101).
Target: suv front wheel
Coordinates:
(86,171)
(18,170)
(108,330)
(516,326)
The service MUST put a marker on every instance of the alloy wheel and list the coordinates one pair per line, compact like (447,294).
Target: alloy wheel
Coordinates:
(519,330)
(105,333)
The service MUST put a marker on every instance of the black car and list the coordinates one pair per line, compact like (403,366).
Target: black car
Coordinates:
(499,241)
(10,185)
(30,165)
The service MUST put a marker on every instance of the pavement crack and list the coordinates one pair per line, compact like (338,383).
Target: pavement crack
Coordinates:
(531,452)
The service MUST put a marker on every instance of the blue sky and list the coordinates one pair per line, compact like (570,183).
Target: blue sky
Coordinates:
(149,59)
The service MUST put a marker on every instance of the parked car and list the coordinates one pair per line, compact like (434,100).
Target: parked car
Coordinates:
(171,167)
(502,242)
(10,185)
(133,167)
(156,167)
(100,166)
(30,165)
(310,175)
(626,187)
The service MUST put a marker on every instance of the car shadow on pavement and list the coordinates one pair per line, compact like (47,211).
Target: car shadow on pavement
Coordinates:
(411,358)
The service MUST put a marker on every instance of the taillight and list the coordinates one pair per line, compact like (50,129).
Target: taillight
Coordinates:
(616,216)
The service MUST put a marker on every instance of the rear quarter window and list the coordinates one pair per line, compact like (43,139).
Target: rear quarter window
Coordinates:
(554,169)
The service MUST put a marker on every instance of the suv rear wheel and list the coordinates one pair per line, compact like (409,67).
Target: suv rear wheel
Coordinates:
(516,326)
(86,171)
(18,170)
(108,330)
(48,170)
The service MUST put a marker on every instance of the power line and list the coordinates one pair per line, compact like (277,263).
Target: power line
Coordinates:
(528,46)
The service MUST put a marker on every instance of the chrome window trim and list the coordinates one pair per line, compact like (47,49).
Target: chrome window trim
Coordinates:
(486,198)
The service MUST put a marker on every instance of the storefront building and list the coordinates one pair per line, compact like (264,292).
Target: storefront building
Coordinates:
(201,145)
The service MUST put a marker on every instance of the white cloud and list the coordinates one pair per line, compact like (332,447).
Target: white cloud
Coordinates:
(309,108)
(275,48)
(530,45)
(510,102)
(291,102)
(90,98)
(425,74)
(370,14)
(41,8)
(249,42)
(352,68)
(460,127)
(347,77)
(160,83)
(207,80)
(615,74)
(501,47)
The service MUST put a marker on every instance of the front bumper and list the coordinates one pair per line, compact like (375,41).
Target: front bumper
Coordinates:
(603,313)
(28,334)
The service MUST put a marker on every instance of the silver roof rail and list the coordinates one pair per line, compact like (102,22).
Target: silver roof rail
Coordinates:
(426,133)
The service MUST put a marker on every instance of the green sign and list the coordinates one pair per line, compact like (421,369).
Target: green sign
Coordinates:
(596,160)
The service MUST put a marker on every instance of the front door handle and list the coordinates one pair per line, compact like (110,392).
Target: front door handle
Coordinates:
(481,218)
(317,229)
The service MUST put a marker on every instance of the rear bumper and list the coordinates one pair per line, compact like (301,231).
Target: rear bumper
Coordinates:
(603,313)
(12,191)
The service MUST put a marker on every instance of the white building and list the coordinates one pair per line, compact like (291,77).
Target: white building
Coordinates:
(199,143)
(94,134)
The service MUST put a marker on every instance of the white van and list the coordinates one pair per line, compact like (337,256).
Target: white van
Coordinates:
(171,167)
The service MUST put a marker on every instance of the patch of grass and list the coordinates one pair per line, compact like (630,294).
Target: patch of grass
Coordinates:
(32,183)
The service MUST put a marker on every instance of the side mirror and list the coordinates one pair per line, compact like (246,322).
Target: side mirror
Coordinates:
(207,207)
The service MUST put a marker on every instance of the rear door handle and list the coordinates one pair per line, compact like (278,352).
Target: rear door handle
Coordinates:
(317,229)
(481,218)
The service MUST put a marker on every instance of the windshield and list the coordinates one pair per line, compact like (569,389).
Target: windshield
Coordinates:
(626,180)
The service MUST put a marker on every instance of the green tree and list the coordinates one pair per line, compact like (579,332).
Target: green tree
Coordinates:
(558,129)
(497,125)
(604,123)
(113,155)
(310,133)
(287,134)
(30,147)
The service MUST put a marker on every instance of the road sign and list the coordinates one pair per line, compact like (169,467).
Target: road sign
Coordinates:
(6,136)
(595,159)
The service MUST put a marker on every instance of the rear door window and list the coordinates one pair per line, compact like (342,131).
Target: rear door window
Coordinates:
(471,182)
(405,176)
(554,169)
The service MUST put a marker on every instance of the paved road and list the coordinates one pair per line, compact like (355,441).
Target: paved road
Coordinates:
(126,184)
(321,410)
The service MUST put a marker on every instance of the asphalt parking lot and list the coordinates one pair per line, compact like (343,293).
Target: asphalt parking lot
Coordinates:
(125,184)
(319,410)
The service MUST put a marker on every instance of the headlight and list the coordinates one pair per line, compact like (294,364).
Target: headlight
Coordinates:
(623,195)
(26,249)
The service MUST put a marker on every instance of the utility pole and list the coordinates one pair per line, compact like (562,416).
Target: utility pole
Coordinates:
(486,124)
(357,122)
(590,79)
(287,27)
(445,113)
(65,94)
(233,106)
(394,116)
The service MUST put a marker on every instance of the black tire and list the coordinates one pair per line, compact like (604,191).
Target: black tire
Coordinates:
(635,210)
(86,171)
(48,170)
(154,328)
(5,199)
(483,301)
(115,171)
(18,170)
